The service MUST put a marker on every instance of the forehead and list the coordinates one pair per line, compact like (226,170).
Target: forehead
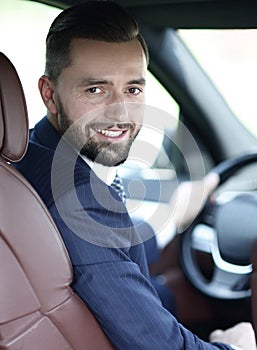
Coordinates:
(97,56)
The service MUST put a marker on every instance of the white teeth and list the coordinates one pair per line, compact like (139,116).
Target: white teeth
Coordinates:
(109,133)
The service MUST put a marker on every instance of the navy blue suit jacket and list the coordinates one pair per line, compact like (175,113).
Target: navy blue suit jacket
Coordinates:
(110,269)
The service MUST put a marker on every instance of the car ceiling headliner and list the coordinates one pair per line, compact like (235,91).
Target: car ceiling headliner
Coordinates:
(186,13)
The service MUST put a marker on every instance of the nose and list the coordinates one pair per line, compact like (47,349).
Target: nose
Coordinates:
(117,109)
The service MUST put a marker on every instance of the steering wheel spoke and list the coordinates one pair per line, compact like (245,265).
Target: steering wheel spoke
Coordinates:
(225,284)
(202,238)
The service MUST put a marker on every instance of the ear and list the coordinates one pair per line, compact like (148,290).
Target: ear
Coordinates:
(47,91)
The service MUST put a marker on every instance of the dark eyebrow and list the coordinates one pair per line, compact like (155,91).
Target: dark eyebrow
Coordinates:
(140,81)
(91,81)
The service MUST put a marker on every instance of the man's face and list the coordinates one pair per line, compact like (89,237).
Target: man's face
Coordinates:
(100,98)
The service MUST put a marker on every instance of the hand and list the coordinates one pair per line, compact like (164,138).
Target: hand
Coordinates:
(189,199)
(241,335)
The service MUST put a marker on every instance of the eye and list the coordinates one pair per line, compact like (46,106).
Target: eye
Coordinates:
(134,91)
(95,90)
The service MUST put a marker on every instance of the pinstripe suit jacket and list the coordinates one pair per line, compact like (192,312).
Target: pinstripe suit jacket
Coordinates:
(110,269)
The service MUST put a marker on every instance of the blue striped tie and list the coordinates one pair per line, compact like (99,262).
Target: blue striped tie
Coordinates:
(117,185)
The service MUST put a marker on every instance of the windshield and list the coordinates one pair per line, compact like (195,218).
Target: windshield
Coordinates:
(229,57)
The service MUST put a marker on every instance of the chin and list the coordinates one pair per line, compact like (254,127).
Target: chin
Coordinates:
(110,162)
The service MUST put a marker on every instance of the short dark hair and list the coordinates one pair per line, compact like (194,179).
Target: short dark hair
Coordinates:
(97,20)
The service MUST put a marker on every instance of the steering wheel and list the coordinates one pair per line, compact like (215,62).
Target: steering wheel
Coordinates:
(225,230)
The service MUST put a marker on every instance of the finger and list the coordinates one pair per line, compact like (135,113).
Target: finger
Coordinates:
(215,335)
(211,181)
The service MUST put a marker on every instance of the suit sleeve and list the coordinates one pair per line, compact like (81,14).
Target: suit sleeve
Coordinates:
(113,282)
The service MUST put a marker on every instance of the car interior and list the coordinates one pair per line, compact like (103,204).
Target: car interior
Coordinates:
(211,267)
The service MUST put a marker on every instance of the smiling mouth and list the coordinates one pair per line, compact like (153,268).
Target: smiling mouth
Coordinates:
(110,133)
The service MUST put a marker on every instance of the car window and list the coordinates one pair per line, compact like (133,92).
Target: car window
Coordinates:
(25,25)
(230,59)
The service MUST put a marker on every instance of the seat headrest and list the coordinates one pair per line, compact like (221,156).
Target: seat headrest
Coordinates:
(13,113)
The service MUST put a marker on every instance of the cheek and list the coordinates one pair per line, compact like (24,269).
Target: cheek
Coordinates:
(136,112)
(79,112)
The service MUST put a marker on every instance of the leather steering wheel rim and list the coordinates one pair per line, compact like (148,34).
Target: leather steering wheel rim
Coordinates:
(229,280)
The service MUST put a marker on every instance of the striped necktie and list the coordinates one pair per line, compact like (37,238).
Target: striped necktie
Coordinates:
(117,185)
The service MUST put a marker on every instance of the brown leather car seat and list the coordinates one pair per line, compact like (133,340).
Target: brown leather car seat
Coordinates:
(38,309)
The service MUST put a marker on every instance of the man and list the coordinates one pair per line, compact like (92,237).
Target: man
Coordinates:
(93,88)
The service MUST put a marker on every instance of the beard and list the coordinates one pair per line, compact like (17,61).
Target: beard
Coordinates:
(99,151)
(106,153)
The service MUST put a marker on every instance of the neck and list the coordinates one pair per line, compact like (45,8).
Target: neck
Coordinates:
(53,120)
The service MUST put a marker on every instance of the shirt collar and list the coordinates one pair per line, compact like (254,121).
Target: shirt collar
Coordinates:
(105,173)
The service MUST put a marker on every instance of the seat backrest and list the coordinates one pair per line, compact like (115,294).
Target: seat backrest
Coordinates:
(38,309)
